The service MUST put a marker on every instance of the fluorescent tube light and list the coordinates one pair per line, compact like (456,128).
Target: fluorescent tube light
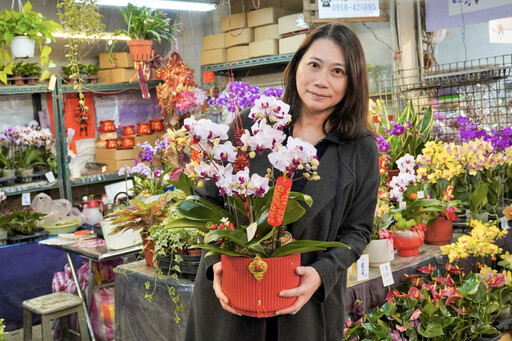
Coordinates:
(161,4)
(104,36)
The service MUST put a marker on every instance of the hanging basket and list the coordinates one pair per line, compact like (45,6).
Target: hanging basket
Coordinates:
(22,47)
(259,298)
(140,50)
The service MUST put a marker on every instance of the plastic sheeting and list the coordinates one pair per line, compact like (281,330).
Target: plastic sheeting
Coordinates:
(137,318)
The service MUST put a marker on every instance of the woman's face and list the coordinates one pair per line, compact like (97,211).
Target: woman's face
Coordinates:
(321,77)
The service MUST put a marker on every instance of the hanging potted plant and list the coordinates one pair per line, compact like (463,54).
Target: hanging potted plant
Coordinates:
(144,26)
(79,17)
(25,25)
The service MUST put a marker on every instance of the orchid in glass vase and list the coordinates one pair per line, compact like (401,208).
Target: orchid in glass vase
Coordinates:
(257,207)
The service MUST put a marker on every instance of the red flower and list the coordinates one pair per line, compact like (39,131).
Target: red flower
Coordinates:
(427,269)
(454,270)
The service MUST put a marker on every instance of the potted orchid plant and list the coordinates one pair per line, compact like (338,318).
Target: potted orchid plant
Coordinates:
(405,135)
(250,231)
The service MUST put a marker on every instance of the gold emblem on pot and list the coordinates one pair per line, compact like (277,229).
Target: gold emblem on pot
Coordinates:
(258,267)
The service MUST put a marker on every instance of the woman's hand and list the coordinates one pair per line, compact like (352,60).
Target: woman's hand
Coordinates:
(310,281)
(217,286)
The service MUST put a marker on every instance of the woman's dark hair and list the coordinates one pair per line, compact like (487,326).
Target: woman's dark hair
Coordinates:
(350,116)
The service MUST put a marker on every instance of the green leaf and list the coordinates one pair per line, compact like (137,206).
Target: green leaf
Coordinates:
(301,246)
(432,330)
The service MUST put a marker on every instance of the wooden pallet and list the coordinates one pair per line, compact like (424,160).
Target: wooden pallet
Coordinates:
(311,13)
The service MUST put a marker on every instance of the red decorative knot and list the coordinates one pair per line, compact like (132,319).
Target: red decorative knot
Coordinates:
(241,161)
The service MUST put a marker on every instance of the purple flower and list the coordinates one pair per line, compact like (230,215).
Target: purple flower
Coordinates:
(398,129)
(395,336)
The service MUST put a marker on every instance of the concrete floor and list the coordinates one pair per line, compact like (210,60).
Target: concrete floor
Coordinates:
(17,335)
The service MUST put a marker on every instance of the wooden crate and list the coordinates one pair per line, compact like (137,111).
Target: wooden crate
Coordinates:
(311,13)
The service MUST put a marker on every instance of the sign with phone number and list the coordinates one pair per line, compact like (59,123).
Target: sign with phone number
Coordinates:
(348,8)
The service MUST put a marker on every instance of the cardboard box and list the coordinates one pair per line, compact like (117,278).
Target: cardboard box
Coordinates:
(116,154)
(213,56)
(238,38)
(291,23)
(262,48)
(265,16)
(236,53)
(115,165)
(239,6)
(290,44)
(237,20)
(120,60)
(266,32)
(151,139)
(117,75)
(213,41)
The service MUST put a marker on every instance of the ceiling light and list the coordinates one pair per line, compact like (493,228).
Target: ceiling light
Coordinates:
(161,4)
(104,36)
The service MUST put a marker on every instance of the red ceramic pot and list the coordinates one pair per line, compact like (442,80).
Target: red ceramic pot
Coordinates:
(112,144)
(107,126)
(440,232)
(127,142)
(407,243)
(251,297)
(128,130)
(143,128)
(157,124)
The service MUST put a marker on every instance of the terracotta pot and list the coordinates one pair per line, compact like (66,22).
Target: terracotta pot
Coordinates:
(251,297)
(18,80)
(440,232)
(407,243)
(140,50)
(112,144)
(127,142)
(380,251)
(128,130)
(157,124)
(143,128)
(149,250)
(107,126)
(194,251)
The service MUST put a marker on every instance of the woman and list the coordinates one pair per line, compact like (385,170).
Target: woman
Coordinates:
(326,87)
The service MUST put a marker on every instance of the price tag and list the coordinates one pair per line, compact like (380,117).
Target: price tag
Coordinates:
(25,199)
(363,267)
(386,274)
(51,83)
(49,176)
(504,223)
(420,194)
(402,204)
(348,8)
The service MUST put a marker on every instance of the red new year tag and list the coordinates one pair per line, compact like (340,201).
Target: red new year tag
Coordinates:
(279,201)
(195,154)
(448,193)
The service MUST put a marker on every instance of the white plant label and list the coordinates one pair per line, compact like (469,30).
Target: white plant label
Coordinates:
(386,274)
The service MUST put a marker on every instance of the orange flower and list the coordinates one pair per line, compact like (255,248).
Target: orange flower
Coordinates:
(507,212)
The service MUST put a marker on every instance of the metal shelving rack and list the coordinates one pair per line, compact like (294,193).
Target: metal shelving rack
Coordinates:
(253,65)
(37,185)
(85,180)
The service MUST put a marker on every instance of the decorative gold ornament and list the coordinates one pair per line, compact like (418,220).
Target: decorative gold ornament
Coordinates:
(257,268)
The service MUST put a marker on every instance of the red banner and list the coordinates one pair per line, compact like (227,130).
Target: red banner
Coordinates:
(279,201)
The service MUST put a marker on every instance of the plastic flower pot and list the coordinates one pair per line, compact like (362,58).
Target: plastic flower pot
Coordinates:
(259,298)
(440,232)
(140,50)
(22,47)
(380,251)
(407,243)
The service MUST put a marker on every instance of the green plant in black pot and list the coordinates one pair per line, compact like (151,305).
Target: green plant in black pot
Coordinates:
(23,221)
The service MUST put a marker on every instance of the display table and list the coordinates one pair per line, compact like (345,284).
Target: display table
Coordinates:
(139,319)
(155,319)
(93,250)
(26,271)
